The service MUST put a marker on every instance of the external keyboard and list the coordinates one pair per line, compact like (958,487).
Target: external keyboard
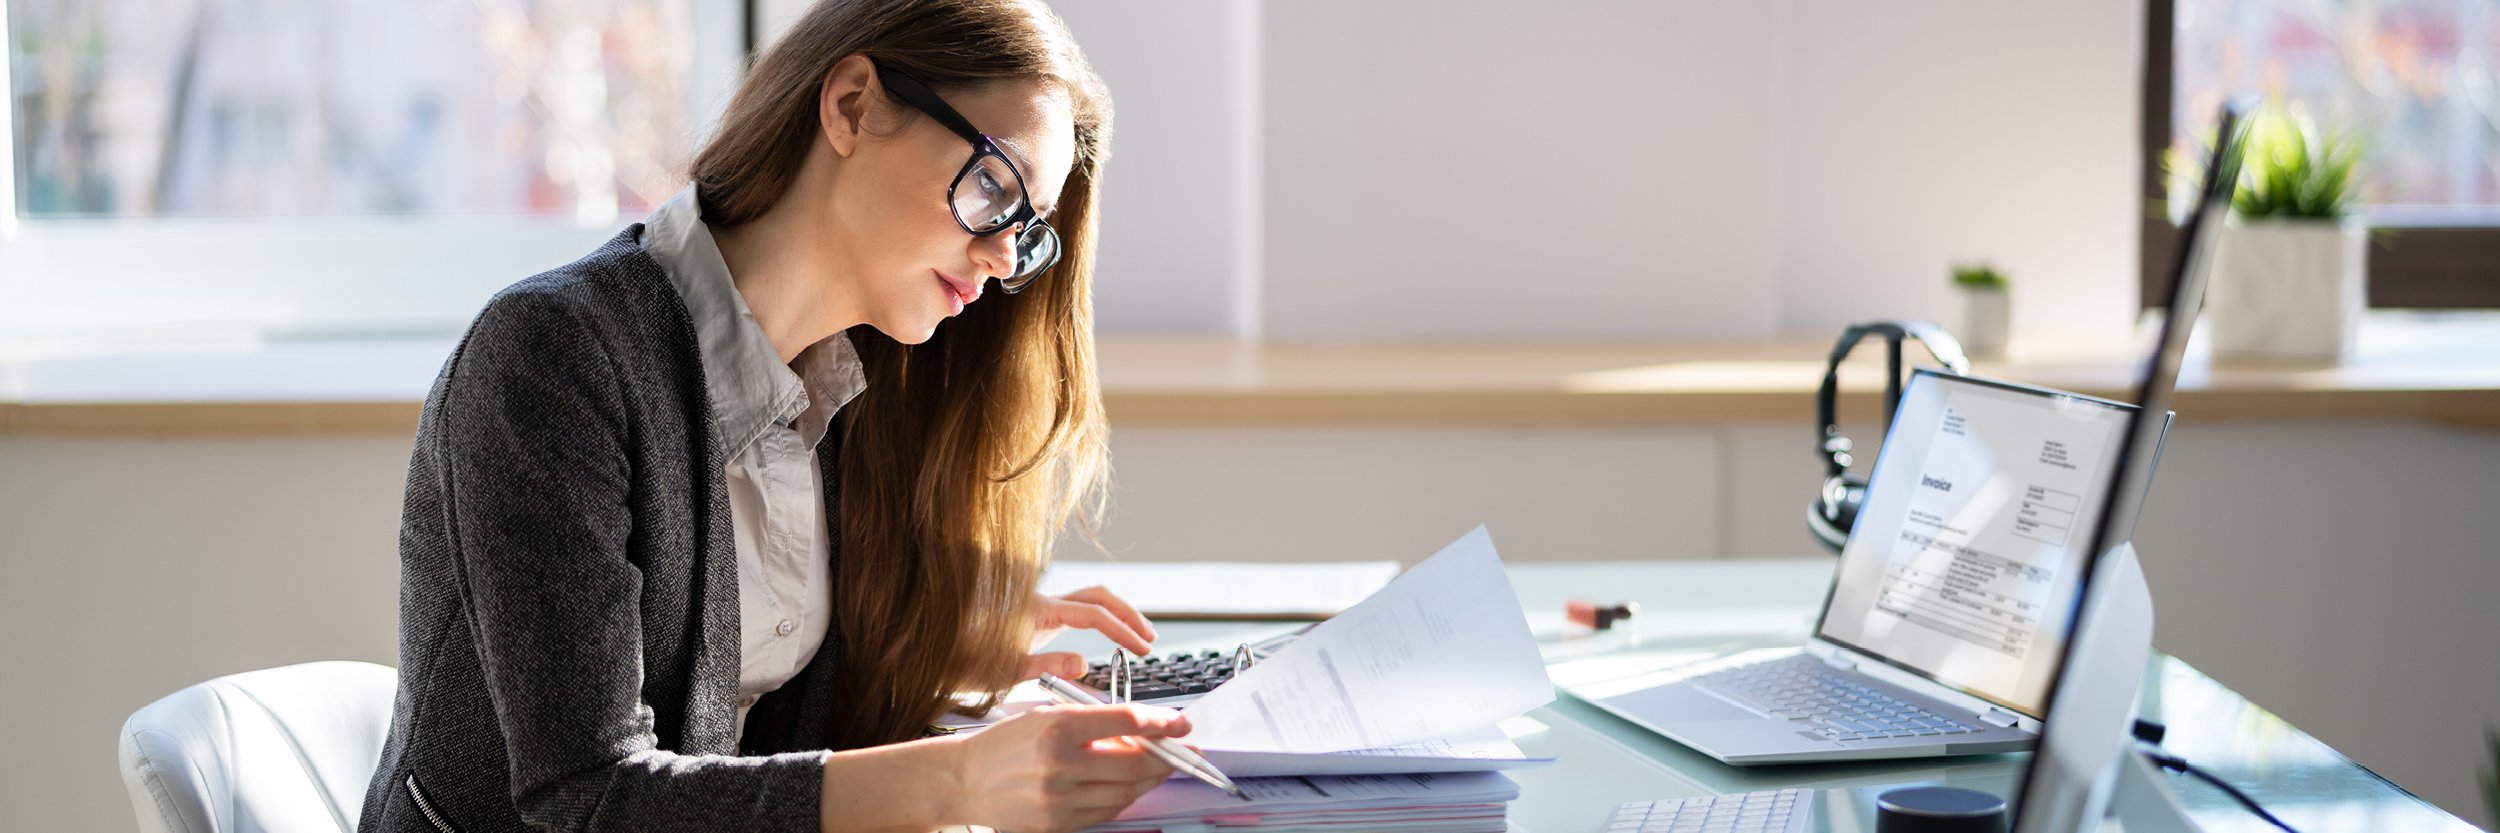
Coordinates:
(1767,811)
(1831,703)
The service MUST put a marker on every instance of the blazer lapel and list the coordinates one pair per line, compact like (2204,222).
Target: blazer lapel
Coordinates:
(713,661)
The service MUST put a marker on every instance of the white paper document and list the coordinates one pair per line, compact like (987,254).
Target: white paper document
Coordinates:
(1442,650)
(1481,750)
(1218,589)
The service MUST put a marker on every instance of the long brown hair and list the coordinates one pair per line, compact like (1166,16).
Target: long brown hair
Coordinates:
(966,454)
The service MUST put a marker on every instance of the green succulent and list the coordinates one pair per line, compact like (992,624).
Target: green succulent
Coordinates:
(2295,170)
(1978,276)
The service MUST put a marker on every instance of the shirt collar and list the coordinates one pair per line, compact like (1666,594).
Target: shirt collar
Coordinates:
(751,390)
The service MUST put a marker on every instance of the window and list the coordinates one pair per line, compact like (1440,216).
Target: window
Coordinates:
(2414,79)
(327,167)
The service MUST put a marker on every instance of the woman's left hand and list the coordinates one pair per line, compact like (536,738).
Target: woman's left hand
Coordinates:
(1092,608)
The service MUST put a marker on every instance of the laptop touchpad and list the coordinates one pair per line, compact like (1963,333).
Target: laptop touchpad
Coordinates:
(1678,703)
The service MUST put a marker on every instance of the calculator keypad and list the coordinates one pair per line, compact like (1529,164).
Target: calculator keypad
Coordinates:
(1167,675)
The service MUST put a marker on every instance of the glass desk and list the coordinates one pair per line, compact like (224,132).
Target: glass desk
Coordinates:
(1720,606)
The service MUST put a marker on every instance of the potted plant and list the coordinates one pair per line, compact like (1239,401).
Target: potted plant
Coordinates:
(1986,311)
(2289,277)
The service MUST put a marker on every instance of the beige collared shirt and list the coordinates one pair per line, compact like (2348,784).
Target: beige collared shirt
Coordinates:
(771,417)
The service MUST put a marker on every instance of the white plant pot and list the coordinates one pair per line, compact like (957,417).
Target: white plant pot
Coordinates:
(2288,289)
(1985,320)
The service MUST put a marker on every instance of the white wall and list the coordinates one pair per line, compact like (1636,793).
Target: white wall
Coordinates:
(1401,492)
(137,567)
(1922,134)
(1609,169)
(1472,170)
(1642,170)
(1180,195)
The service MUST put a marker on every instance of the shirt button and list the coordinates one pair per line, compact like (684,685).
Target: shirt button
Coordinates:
(746,702)
(785,628)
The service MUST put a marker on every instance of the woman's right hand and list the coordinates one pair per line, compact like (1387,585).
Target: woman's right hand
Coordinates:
(1059,768)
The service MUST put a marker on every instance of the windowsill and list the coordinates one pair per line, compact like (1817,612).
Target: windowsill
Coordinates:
(2441,368)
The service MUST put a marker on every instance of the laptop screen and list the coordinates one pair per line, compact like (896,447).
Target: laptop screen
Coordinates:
(1964,561)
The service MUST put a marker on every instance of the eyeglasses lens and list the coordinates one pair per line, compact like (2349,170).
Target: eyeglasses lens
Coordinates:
(987,195)
(1036,249)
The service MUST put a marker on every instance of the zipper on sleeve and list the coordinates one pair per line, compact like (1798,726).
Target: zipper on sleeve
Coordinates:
(427,807)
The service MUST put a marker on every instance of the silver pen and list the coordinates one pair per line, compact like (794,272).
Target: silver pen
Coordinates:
(1171,751)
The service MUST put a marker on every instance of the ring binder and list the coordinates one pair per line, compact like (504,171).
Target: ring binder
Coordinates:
(1122,687)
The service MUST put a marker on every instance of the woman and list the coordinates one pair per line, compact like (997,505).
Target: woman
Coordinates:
(690,512)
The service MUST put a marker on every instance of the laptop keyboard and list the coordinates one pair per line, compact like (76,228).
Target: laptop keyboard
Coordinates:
(1831,704)
(1767,811)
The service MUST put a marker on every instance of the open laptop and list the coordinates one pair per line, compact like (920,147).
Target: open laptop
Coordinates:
(2082,743)
(1953,604)
(1947,617)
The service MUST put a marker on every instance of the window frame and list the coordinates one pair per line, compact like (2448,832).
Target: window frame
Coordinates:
(2412,263)
(111,280)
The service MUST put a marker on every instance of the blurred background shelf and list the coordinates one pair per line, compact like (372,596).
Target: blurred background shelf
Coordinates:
(2441,369)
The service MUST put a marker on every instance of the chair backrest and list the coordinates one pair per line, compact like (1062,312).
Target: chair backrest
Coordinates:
(284,750)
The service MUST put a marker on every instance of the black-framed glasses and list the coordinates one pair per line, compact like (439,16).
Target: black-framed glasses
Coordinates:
(988,196)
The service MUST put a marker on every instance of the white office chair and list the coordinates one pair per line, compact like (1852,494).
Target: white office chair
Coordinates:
(285,750)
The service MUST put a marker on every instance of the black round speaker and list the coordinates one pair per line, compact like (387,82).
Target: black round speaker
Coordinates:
(1939,810)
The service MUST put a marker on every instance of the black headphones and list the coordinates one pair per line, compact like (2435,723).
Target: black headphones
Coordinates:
(1835,510)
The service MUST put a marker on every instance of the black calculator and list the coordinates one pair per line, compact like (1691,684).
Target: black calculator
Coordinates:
(1181,675)
(1165,676)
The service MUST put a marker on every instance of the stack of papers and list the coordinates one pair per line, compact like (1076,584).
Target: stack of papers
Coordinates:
(1478,750)
(1405,688)
(1464,802)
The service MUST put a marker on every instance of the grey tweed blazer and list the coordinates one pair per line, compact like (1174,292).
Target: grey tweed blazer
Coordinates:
(568,608)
